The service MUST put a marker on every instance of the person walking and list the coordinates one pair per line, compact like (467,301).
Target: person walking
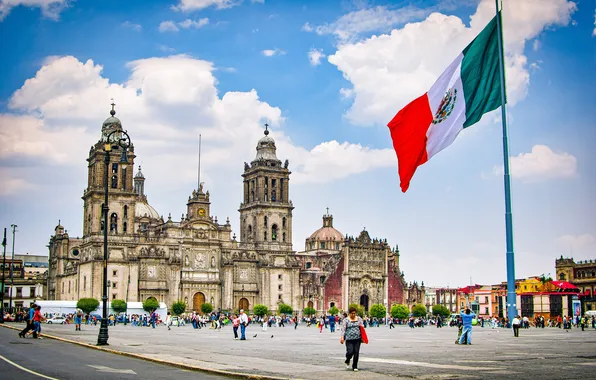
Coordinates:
(37,318)
(243,324)
(516,325)
(235,324)
(78,319)
(169,320)
(265,322)
(466,316)
(29,321)
(352,338)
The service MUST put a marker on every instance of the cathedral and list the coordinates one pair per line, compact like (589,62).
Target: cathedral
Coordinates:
(199,260)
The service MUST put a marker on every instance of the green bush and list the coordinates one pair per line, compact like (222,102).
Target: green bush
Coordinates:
(87,305)
(419,310)
(119,306)
(399,311)
(260,310)
(333,310)
(150,305)
(441,310)
(309,311)
(206,308)
(377,311)
(359,309)
(285,309)
(178,307)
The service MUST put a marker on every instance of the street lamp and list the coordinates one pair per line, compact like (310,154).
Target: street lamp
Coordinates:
(117,139)
(3,278)
(13,226)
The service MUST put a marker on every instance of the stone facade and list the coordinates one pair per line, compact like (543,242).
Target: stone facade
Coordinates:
(196,259)
(581,274)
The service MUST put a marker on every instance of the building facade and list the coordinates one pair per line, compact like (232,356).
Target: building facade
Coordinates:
(583,275)
(197,259)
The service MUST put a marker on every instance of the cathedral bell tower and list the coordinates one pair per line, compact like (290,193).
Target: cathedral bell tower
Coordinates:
(266,210)
(120,183)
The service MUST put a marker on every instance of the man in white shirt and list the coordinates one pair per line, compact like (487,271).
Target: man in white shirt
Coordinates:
(515,323)
(243,324)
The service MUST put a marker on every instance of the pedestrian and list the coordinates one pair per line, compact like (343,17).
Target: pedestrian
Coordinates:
(466,316)
(169,320)
(37,318)
(352,337)
(78,319)
(235,324)
(265,322)
(295,321)
(516,324)
(243,324)
(332,323)
(29,321)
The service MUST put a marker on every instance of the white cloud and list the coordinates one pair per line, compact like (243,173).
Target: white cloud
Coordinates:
(594,31)
(133,26)
(49,8)
(166,49)
(378,65)
(541,164)
(377,19)
(188,23)
(195,5)
(315,56)
(577,243)
(272,52)
(536,45)
(168,26)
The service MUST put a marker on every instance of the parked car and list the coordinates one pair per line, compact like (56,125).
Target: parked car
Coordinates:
(59,320)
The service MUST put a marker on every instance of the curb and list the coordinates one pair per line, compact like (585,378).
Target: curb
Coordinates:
(164,362)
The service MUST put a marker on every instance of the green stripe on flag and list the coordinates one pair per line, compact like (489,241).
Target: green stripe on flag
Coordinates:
(480,74)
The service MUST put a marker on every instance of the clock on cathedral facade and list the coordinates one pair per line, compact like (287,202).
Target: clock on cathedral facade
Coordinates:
(196,259)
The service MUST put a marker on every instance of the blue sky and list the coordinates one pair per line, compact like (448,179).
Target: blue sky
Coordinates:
(327,76)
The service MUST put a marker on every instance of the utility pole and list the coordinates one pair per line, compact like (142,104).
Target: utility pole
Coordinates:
(3,278)
(14,226)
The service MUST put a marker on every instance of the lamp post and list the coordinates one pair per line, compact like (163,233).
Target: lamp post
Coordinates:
(117,139)
(13,226)
(3,278)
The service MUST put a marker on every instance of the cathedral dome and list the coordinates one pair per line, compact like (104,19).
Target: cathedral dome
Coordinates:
(144,209)
(266,148)
(327,232)
(110,125)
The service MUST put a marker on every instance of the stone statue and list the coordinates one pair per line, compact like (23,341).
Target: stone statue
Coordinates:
(286,164)
(246,166)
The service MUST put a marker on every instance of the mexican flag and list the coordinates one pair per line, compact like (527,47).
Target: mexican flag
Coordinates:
(469,88)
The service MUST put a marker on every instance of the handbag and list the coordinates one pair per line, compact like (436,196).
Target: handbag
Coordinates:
(363,335)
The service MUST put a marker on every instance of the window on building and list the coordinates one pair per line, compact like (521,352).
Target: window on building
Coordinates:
(562,276)
(308,265)
(19,291)
(114,273)
(114,296)
(322,245)
(114,182)
(280,287)
(486,299)
(114,285)
(323,279)
(283,223)
(280,277)
(114,222)
(283,237)
(279,297)
(274,232)
(265,235)
(265,221)
(114,168)
(32,292)
(84,282)
(69,285)
(486,310)
(273,195)
(337,246)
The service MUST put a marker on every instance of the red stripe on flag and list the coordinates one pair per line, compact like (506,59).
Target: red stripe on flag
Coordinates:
(408,131)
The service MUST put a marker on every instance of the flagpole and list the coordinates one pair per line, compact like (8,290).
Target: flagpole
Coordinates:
(511,295)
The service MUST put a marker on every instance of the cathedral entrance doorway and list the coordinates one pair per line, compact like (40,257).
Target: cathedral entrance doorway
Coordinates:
(364,301)
(310,304)
(243,304)
(197,300)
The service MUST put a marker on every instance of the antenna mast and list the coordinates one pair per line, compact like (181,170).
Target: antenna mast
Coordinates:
(199,170)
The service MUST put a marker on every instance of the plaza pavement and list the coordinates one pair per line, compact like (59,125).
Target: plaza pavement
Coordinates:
(400,353)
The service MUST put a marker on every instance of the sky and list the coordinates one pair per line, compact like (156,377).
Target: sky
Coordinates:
(327,76)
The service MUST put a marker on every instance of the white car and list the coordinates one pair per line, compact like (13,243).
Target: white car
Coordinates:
(59,320)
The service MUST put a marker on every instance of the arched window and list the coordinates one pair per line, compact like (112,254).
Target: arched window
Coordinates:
(273,197)
(252,195)
(249,232)
(274,232)
(124,227)
(114,222)
(283,223)
(114,182)
(284,237)
(562,276)
(125,212)
(265,221)
(264,235)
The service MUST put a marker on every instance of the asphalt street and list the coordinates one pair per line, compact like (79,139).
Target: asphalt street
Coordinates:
(64,361)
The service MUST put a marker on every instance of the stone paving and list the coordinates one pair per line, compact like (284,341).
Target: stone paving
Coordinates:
(304,353)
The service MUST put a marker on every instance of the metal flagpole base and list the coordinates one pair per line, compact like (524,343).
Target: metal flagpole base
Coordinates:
(102,338)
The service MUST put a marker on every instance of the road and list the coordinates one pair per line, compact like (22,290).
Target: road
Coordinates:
(52,359)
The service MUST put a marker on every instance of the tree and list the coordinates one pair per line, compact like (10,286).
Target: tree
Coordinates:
(119,306)
(88,305)
(333,310)
(178,307)
(359,309)
(206,308)
(377,311)
(441,310)
(309,311)
(285,309)
(419,310)
(150,305)
(260,310)
(399,311)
